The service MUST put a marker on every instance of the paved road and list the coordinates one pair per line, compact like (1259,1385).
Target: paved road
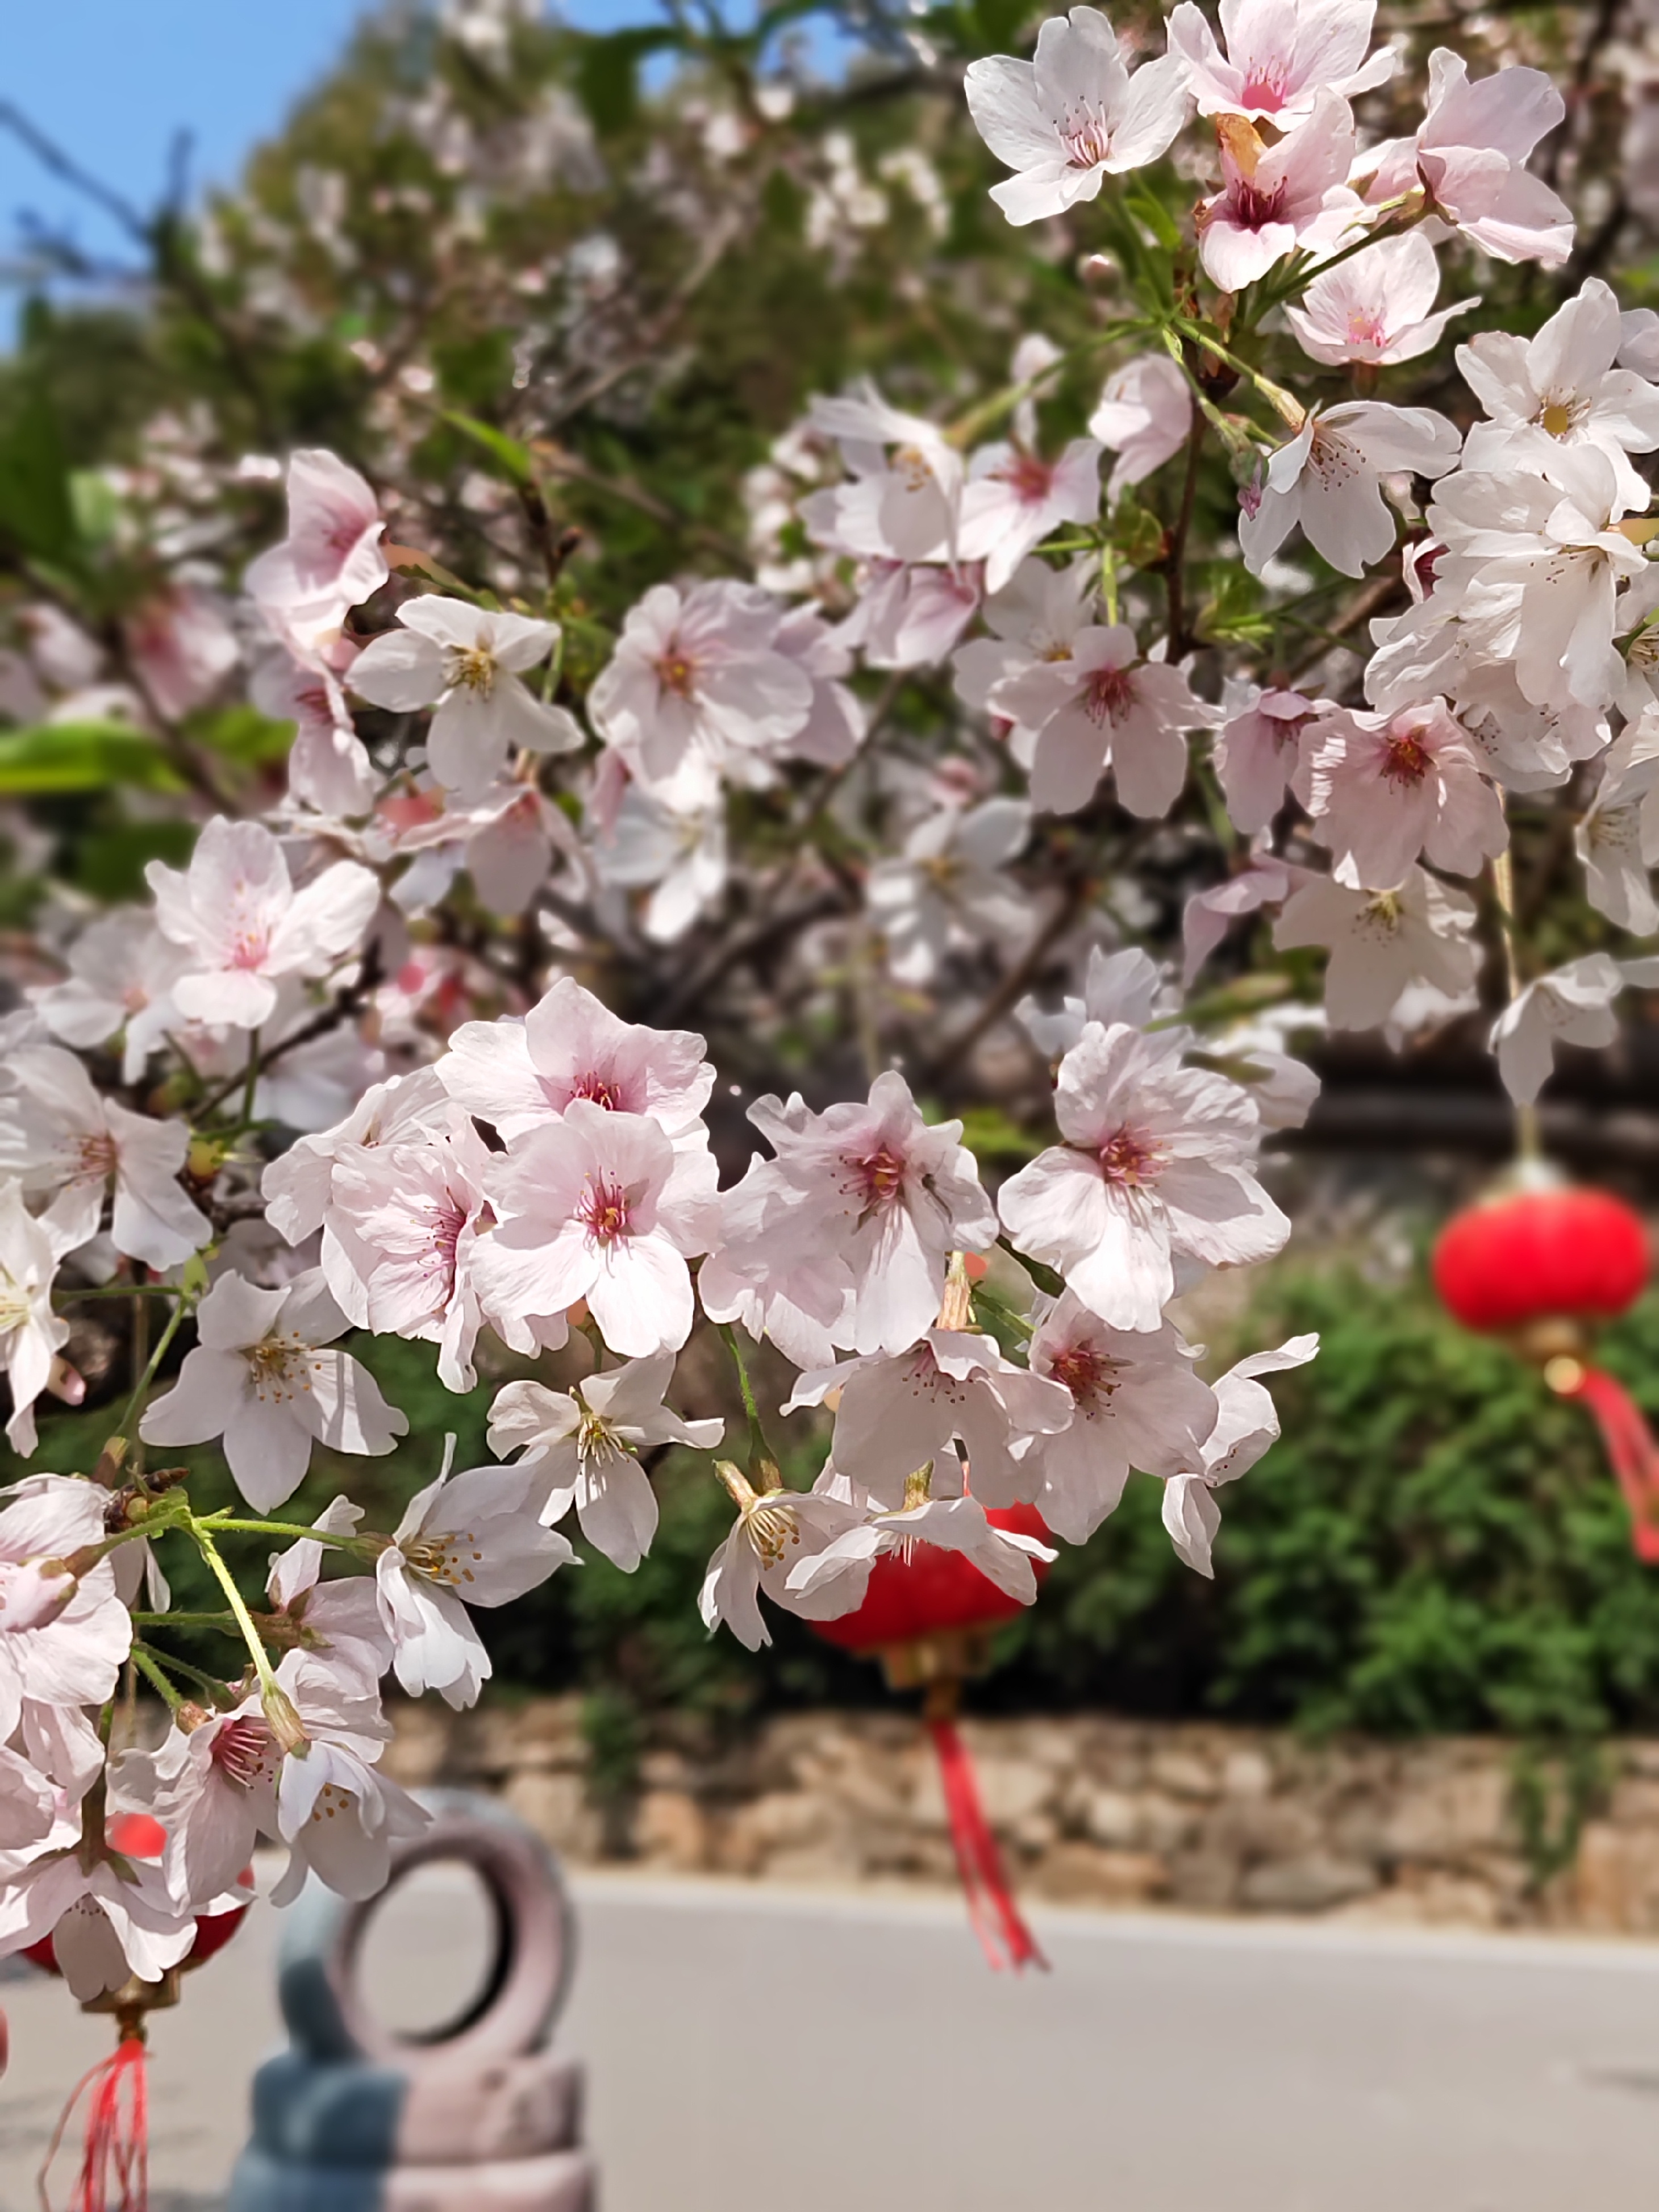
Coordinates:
(752,2049)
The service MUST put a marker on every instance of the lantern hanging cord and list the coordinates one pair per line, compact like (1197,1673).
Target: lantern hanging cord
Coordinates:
(1528,1141)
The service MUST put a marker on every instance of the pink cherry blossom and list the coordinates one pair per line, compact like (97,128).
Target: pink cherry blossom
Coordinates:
(1384,789)
(843,1238)
(519,1076)
(1279,55)
(1073,116)
(121,974)
(1156,1161)
(1104,707)
(1144,416)
(902,499)
(1261,752)
(1118,987)
(337,1816)
(897,1412)
(182,649)
(912,617)
(109,1917)
(1136,1402)
(1014,499)
(840,1573)
(1328,480)
(1470,156)
(1209,914)
(236,912)
(599,1205)
(1378,308)
(30,1331)
(264,1376)
(63,1637)
(329,769)
(697,689)
(835,727)
(72,1147)
(331,560)
(1278,200)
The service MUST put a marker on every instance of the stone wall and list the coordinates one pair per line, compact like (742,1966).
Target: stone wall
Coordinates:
(1092,1811)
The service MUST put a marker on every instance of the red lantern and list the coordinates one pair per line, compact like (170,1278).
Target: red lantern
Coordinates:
(1536,1264)
(929,1616)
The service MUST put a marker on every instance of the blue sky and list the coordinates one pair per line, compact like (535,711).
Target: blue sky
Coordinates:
(112,80)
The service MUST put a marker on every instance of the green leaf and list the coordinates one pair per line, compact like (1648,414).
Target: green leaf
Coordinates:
(109,864)
(242,734)
(514,458)
(36,510)
(81,757)
(607,82)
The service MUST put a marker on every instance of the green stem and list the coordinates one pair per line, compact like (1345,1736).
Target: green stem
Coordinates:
(227,1523)
(213,1685)
(150,1671)
(1283,404)
(224,1621)
(124,1426)
(227,1582)
(252,1082)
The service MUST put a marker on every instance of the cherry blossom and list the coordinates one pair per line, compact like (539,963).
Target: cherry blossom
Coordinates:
(521,1076)
(1144,416)
(404,1221)
(586,1443)
(1156,1162)
(840,1573)
(328,767)
(1104,707)
(842,1239)
(1377,308)
(1382,942)
(109,1917)
(1384,789)
(213,1787)
(912,617)
(337,1816)
(775,1530)
(1572,1005)
(237,913)
(30,1332)
(596,1204)
(1261,750)
(1470,157)
(1136,1403)
(697,689)
(1278,56)
(467,662)
(1280,199)
(835,726)
(1073,116)
(181,649)
(680,858)
(1033,618)
(475,1538)
(1617,839)
(63,1631)
(1247,1424)
(331,560)
(1014,499)
(121,974)
(904,500)
(1209,914)
(897,1412)
(70,1146)
(1327,480)
(262,1376)
(1561,388)
(949,886)
(1118,987)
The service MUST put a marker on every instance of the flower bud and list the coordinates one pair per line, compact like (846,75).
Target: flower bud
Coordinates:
(283,1722)
(33,1593)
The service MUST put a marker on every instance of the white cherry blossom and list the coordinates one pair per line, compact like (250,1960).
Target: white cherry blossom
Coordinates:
(337,1816)
(63,1635)
(475,1538)
(681,859)
(329,769)
(1156,1161)
(31,1333)
(902,500)
(109,1917)
(1118,987)
(839,1574)
(1074,115)
(331,559)
(1247,1422)
(469,662)
(1572,1005)
(775,1530)
(121,974)
(583,1447)
(236,913)
(1381,943)
(264,1375)
(949,886)
(1327,481)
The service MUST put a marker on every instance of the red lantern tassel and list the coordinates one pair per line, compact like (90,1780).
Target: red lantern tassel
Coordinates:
(1631,1449)
(1004,1936)
(114,2174)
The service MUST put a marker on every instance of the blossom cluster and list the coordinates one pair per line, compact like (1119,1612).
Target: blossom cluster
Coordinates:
(284,1107)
